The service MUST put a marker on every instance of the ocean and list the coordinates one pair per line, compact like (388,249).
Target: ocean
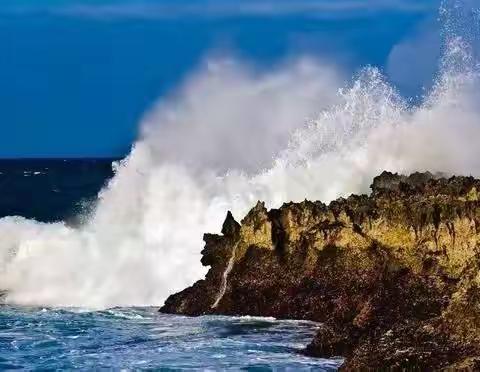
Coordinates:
(52,190)
(141,338)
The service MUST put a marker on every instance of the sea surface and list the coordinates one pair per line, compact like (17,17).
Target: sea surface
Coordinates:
(126,338)
(51,190)
(141,338)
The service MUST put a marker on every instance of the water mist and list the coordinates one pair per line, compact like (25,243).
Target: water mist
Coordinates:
(227,138)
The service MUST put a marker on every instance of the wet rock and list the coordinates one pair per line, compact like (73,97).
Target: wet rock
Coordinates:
(393,277)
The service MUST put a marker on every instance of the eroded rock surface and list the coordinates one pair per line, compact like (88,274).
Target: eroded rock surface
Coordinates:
(393,277)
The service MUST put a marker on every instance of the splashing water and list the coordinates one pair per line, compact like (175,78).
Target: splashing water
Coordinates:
(231,137)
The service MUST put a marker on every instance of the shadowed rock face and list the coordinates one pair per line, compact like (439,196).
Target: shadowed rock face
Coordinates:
(394,277)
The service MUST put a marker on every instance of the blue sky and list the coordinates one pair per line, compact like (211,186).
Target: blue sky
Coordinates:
(76,76)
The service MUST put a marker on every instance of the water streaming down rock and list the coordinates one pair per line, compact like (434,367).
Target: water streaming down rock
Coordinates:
(223,285)
(149,220)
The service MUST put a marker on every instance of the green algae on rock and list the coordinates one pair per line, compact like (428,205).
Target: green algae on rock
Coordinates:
(393,277)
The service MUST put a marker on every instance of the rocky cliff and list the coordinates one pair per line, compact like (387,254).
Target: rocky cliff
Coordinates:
(393,277)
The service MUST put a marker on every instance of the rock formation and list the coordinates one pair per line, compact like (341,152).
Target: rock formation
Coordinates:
(394,277)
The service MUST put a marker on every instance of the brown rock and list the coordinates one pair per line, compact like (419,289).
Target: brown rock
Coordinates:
(393,277)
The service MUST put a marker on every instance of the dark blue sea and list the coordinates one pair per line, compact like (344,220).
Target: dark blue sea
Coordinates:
(126,338)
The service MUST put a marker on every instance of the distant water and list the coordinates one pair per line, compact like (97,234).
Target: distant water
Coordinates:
(141,338)
(50,190)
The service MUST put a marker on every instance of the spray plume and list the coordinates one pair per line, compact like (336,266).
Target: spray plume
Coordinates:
(228,138)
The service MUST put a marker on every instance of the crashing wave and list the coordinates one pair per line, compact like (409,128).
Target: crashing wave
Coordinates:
(228,138)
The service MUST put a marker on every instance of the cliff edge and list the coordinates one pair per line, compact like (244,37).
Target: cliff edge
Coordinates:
(393,277)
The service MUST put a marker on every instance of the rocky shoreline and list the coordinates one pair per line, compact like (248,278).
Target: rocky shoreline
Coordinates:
(393,277)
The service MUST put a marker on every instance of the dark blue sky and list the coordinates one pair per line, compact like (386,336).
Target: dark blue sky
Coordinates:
(76,76)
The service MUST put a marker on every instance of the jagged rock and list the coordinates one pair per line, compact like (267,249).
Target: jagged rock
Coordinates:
(393,277)
(230,228)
